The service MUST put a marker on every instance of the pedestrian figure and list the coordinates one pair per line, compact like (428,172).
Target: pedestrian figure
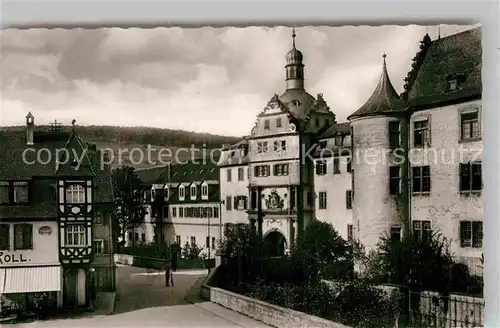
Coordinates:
(167,276)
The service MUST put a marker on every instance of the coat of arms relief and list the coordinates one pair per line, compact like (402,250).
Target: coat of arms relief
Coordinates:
(274,201)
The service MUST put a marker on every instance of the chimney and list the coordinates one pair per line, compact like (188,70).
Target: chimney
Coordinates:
(169,172)
(73,128)
(30,127)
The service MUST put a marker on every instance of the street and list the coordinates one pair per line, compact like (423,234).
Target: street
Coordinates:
(144,301)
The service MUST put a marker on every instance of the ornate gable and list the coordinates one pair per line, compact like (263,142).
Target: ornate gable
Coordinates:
(274,106)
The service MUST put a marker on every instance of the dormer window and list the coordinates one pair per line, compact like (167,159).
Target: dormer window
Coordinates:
(75,194)
(204,191)
(322,144)
(166,193)
(181,192)
(454,82)
(295,103)
(193,192)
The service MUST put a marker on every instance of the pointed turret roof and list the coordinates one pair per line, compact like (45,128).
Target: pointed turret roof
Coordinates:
(383,100)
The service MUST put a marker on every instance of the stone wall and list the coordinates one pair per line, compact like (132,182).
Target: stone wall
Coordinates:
(269,314)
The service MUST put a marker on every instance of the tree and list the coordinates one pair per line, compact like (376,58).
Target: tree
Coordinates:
(191,251)
(129,207)
(323,253)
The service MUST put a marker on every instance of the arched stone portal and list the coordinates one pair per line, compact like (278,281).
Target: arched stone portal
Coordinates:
(275,242)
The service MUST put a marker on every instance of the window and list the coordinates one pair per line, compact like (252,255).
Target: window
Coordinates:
(349,168)
(471,234)
(76,235)
(336,165)
(181,193)
(174,212)
(98,246)
(207,242)
(228,203)
(394,134)
(348,199)
(338,141)
(293,196)
(395,234)
(394,180)
(262,147)
(98,217)
(228,174)
(23,236)
(320,167)
(4,192)
(471,177)
(213,242)
(421,179)
(421,133)
(422,229)
(204,190)
(280,169)
(452,85)
(216,212)
(193,240)
(278,122)
(322,200)
(181,212)
(266,125)
(178,239)
(143,237)
(21,192)
(280,145)
(75,194)
(193,191)
(241,174)
(4,237)
(309,198)
(350,233)
(261,171)
(240,203)
(470,128)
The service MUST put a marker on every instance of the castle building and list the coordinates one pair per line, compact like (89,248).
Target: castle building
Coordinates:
(426,172)
(280,174)
(403,162)
(183,205)
(55,227)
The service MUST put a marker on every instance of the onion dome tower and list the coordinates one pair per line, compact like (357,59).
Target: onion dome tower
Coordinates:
(374,209)
(295,97)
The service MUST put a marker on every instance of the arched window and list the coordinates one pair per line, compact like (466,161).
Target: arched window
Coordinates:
(181,192)
(75,194)
(204,190)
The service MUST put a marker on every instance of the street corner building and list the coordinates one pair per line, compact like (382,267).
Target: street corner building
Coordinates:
(299,164)
(55,227)
(183,205)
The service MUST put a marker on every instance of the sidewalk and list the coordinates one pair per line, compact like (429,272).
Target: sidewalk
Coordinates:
(191,272)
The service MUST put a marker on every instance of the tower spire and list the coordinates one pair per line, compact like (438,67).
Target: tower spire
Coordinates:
(294,67)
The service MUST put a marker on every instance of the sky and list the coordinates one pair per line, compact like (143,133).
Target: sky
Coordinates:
(212,80)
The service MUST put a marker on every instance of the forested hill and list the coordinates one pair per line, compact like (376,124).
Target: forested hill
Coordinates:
(144,136)
(121,140)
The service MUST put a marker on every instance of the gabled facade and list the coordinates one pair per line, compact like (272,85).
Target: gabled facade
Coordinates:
(52,186)
(280,183)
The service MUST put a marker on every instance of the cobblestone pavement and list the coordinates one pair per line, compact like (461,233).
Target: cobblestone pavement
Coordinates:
(145,301)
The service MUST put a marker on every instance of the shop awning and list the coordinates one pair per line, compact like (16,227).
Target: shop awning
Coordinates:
(30,279)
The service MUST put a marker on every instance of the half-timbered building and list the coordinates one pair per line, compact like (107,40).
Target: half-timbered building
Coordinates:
(55,231)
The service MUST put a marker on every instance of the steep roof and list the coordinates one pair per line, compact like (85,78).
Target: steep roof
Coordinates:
(336,129)
(201,169)
(42,174)
(458,54)
(384,98)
